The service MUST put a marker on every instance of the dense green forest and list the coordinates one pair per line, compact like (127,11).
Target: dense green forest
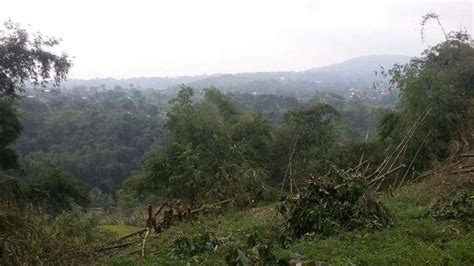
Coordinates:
(102,136)
(259,172)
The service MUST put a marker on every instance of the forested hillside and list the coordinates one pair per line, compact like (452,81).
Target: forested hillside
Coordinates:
(98,136)
(366,162)
(103,135)
(356,73)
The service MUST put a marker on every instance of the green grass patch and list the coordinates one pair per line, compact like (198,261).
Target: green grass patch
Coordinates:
(413,239)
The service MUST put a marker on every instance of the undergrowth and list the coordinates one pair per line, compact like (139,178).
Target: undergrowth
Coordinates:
(254,237)
(27,239)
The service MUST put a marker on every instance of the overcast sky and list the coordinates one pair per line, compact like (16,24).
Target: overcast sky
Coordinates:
(134,38)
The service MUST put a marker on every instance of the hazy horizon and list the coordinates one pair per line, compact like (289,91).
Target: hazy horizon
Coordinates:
(236,73)
(130,39)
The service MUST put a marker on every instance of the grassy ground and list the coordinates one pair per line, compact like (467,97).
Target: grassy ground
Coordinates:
(414,238)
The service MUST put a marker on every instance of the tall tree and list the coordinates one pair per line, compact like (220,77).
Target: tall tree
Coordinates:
(212,151)
(24,59)
(440,83)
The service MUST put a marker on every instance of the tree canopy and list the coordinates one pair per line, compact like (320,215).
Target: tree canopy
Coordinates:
(54,190)
(24,59)
(212,150)
(441,84)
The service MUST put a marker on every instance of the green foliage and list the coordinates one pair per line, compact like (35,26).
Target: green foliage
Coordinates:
(54,190)
(90,133)
(312,124)
(333,203)
(77,227)
(214,152)
(132,191)
(350,155)
(441,81)
(26,240)
(250,133)
(269,106)
(10,130)
(23,59)
(100,199)
(413,238)
(306,139)
(181,107)
(187,247)
(220,102)
(358,119)
(9,124)
(388,123)
(260,254)
(256,252)
(459,206)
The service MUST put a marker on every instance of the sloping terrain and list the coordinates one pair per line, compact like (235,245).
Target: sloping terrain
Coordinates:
(415,238)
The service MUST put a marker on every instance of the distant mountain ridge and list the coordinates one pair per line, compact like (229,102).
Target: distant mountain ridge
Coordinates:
(368,62)
(355,72)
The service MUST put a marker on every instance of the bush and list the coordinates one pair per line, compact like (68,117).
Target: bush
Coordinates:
(332,203)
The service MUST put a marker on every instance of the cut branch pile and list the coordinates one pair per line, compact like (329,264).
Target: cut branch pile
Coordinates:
(337,201)
(459,206)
